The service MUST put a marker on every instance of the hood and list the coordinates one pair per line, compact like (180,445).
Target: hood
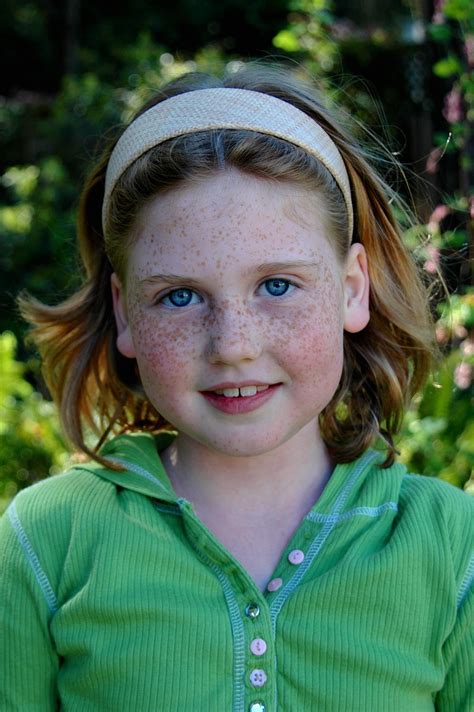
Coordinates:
(143,471)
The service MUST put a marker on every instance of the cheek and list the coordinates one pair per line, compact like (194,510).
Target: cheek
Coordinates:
(313,336)
(316,357)
(163,352)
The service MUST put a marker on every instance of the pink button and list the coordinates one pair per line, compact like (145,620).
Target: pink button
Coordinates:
(274,584)
(258,678)
(296,556)
(258,646)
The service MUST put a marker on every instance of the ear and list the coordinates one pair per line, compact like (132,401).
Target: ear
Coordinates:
(356,289)
(124,336)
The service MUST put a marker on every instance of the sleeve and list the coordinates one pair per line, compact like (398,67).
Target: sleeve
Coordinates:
(457,694)
(28,660)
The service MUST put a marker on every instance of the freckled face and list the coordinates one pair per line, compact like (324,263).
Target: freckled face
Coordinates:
(253,293)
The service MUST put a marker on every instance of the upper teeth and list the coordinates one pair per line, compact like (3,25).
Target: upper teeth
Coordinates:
(244,391)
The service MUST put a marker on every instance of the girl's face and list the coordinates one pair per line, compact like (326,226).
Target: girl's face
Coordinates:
(232,283)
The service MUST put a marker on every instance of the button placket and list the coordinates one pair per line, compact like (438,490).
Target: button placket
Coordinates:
(259,653)
(255,678)
(295,557)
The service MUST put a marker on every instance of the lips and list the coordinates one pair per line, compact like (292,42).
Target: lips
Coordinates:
(235,398)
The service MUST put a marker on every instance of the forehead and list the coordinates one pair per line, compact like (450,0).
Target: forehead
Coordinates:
(231,217)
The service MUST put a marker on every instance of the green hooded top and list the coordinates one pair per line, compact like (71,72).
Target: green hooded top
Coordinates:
(115,596)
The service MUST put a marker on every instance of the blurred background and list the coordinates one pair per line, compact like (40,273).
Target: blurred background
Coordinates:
(75,70)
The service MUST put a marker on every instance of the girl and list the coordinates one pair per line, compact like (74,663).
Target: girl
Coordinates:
(240,545)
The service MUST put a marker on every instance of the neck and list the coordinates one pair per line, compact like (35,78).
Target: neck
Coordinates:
(287,479)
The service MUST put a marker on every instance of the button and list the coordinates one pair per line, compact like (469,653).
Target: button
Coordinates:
(258,677)
(258,646)
(296,556)
(252,610)
(274,584)
(256,707)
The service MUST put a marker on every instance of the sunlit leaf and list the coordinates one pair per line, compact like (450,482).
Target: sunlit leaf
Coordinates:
(287,41)
(447,67)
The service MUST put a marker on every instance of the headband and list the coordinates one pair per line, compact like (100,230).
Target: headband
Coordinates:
(225,108)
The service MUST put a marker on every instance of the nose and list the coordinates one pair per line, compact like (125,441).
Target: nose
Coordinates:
(235,334)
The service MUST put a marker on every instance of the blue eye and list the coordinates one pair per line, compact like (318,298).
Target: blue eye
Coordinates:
(180,298)
(277,287)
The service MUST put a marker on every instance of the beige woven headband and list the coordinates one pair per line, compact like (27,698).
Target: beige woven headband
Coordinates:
(225,108)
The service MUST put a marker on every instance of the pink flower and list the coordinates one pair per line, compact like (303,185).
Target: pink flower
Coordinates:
(452,111)
(469,49)
(432,160)
(432,263)
(438,214)
(463,375)
(467,347)
(438,14)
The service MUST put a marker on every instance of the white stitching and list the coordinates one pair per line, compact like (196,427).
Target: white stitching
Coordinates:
(138,471)
(357,511)
(466,582)
(32,559)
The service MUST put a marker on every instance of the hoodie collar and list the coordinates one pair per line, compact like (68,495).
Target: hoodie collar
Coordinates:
(144,471)
(356,483)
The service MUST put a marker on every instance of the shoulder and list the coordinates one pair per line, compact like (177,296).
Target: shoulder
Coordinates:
(417,496)
(442,517)
(431,527)
(437,498)
(90,498)
(47,515)
(51,529)
(61,498)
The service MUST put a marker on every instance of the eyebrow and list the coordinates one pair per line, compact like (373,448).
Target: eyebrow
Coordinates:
(265,267)
(170,278)
(282,266)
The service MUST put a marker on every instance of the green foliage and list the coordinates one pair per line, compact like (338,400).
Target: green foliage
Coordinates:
(460,10)
(31,446)
(440,32)
(287,41)
(308,35)
(438,434)
(36,232)
(438,437)
(447,67)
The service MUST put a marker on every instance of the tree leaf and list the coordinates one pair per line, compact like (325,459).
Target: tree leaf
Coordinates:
(447,67)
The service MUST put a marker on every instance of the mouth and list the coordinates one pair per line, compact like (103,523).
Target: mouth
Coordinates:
(237,399)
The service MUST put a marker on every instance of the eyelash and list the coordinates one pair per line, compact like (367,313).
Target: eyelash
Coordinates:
(161,300)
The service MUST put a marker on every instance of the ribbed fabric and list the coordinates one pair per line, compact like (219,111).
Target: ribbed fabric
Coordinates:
(114,596)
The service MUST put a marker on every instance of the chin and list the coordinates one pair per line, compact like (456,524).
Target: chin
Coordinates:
(241,446)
